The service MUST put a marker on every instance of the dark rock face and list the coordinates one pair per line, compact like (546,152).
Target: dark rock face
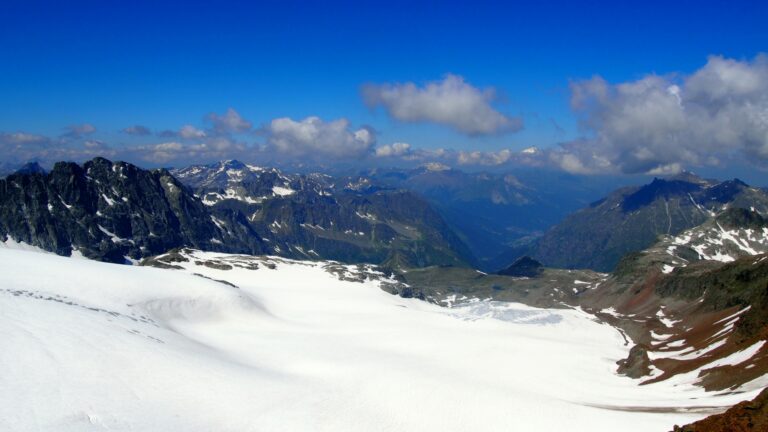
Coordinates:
(636,365)
(108,211)
(746,416)
(741,218)
(657,189)
(523,267)
(631,219)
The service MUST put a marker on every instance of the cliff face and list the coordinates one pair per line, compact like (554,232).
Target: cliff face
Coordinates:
(108,211)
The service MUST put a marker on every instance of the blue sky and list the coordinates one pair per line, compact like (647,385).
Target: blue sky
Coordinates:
(167,65)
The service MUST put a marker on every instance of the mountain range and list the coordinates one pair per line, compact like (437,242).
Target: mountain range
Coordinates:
(631,219)
(679,266)
(432,215)
(318,216)
(495,213)
(117,212)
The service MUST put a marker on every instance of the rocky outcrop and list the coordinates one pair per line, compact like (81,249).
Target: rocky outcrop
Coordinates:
(747,416)
(523,267)
(110,212)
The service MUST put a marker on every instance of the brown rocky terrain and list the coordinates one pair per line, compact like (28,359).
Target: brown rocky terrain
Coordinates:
(746,416)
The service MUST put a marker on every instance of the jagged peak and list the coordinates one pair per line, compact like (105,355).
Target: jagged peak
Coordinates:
(657,188)
(736,182)
(232,163)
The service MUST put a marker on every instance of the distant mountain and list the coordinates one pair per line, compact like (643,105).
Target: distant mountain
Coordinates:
(319,216)
(631,219)
(494,212)
(109,211)
(731,234)
(117,211)
(31,168)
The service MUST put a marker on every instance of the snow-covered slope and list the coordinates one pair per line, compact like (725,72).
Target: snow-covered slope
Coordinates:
(234,180)
(316,216)
(733,233)
(272,344)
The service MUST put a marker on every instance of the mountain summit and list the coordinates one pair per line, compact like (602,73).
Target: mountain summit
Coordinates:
(630,219)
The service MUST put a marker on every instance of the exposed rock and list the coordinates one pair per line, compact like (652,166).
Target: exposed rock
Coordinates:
(110,212)
(523,267)
(748,416)
(636,365)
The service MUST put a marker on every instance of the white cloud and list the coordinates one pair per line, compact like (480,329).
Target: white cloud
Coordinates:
(23,146)
(313,137)
(137,130)
(659,124)
(451,102)
(573,164)
(77,131)
(210,149)
(230,122)
(20,139)
(95,145)
(484,158)
(191,132)
(395,149)
(669,169)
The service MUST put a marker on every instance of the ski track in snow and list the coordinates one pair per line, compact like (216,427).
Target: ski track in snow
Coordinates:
(94,346)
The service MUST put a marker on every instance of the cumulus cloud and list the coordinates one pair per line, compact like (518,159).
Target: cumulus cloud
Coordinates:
(137,130)
(95,145)
(230,122)
(191,132)
(312,137)
(451,102)
(78,131)
(659,124)
(394,149)
(210,149)
(484,158)
(406,153)
(22,139)
(22,146)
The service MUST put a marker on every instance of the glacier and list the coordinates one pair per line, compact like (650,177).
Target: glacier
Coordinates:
(90,346)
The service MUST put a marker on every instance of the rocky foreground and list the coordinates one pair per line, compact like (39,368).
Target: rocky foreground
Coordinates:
(746,416)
